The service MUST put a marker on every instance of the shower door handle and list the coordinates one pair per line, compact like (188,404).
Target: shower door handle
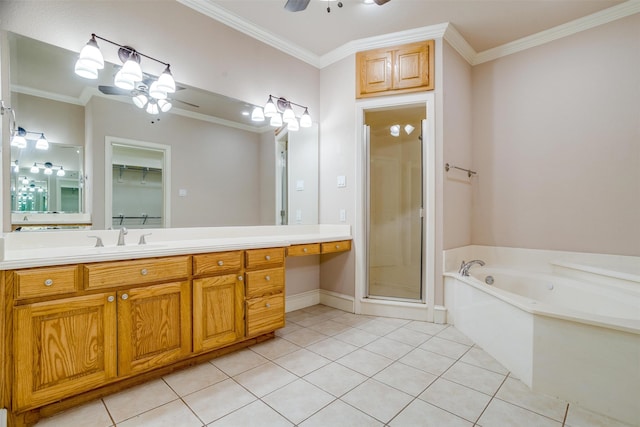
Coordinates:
(421,212)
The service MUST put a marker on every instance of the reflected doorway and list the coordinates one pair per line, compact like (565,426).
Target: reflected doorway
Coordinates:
(395,200)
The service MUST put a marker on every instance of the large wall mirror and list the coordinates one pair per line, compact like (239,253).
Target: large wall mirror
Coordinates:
(223,165)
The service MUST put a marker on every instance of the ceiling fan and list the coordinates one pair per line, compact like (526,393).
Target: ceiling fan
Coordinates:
(298,5)
(142,88)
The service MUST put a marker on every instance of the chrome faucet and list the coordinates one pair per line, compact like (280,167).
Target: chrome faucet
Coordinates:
(465,266)
(123,232)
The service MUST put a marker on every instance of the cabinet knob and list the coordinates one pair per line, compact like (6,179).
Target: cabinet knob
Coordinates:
(337,246)
(48,282)
(240,278)
(304,250)
(267,278)
(267,257)
(144,271)
(220,263)
(125,296)
(267,305)
(111,298)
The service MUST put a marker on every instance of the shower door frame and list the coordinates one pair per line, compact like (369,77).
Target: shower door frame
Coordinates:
(418,310)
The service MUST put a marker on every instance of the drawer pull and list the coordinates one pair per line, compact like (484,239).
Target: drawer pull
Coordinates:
(337,246)
(304,250)
(268,305)
(48,282)
(125,296)
(267,257)
(144,272)
(111,298)
(240,278)
(220,263)
(267,278)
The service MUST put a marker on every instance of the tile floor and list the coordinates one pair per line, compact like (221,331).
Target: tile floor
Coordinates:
(332,368)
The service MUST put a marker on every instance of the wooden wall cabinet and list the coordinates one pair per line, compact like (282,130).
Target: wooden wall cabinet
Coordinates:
(395,70)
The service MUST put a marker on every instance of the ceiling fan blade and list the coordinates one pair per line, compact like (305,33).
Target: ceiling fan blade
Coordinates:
(380,2)
(296,5)
(112,90)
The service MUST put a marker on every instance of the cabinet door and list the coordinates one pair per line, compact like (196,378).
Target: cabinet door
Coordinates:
(412,66)
(63,347)
(154,326)
(218,316)
(374,71)
(265,314)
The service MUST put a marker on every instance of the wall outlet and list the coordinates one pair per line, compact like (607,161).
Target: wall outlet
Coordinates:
(300,185)
(343,215)
(182,192)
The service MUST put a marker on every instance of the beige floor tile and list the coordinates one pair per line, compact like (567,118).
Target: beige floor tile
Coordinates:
(388,348)
(378,327)
(336,379)
(452,334)
(426,327)
(405,378)
(457,399)
(301,362)
(580,417)
(332,348)
(478,357)
(238,362)
(444,347)
(275,348)
(298,400)
(517,393)
(378,400)
(92,414)
(289,327)
(365,362)
(137,400)
(352,319)
(256,413)
(422,414)
(194,378)
(172,414)
(408,336)
(265,378)
(427,361)
(305,337)
(356,337)
(474,377)
(393,321)
(218,400)
(501,414)
(339,414)
(330,328)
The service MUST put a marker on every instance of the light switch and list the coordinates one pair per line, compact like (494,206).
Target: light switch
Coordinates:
(298,215)
(343,215)
(182,192)
(300,185)
(342,181)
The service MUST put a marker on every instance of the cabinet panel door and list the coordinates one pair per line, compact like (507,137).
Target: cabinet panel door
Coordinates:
(374,71)
(218,316)
(63,347)
(412,66)
(265,314)
(154,326)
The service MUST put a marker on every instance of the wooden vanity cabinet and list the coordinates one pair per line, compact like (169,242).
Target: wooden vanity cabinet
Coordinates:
(265,279)
(395,70)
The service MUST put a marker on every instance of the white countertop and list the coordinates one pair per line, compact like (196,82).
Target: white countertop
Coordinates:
(45,248)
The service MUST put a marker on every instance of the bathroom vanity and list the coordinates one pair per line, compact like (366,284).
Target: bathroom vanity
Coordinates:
(81,322)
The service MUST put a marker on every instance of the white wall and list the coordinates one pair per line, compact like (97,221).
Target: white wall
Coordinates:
(556,144)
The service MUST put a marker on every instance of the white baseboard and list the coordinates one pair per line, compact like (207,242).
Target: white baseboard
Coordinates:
(397,309)
(302,300)
(3,417)
(336,300)
(440,314)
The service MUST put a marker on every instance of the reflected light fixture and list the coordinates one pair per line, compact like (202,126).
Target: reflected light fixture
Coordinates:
(34,169)
(60,172)
(408,129)
(395,130)
(48,168)
(42,143)
(16,167)
(280,112)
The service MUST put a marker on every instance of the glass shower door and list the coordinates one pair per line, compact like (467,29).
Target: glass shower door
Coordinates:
(395,203)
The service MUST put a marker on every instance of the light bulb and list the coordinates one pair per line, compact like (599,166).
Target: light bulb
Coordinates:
(305,120)
(276,120)
(42,143)
(257,115)
(270,109)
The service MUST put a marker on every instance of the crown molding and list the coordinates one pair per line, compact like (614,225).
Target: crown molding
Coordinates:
(455,39)
(47,95)
(212,10)
(605,16)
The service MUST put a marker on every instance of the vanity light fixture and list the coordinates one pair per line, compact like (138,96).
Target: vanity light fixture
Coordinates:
(91,60)
(34,168)
(280,111)
(16,167)
(61,172)
(19,139)
(48,168)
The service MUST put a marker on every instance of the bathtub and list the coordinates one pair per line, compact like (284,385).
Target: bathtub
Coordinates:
(557,331)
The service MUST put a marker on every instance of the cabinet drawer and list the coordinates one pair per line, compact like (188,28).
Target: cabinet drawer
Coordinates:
(217,263)
(265,314)
(37,282)
(263,282)
(302,250)
(135,272)
(341,246)
(264,258)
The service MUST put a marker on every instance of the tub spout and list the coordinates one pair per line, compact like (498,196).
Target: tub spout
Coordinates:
(464,268)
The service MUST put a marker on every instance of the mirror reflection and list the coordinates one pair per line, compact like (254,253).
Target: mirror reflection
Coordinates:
(224,165)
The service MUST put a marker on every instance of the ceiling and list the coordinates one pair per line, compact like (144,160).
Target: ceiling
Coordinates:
(484,24)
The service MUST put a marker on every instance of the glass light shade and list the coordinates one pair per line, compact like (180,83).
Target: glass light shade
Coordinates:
(34,169)
(25,181)
(140,100)
(40,189)
(257,115)
(32,189)
(164,105)
(166,83)
(152,108)
(293,125)
(48,171)
(42,143)
(270,108)
(16,167)
(305,120)
(18,141)
(408,129)
(86,70)
(288,114)
(276,120)
(91,55)
(60,172)
(156,92)
(132,70)
(123,81)
(395,130)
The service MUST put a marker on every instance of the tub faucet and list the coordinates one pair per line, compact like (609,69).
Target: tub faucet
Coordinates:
(465,266)
(123,232)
